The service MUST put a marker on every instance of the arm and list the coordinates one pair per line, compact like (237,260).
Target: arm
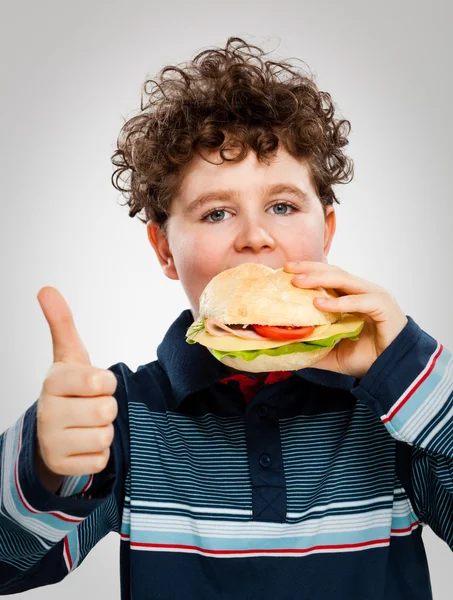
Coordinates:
(45,535)
(410,388)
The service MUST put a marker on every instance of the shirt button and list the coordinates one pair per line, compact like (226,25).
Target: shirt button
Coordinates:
(265,460)
(262,411)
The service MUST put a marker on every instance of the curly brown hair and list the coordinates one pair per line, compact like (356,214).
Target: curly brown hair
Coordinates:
(224,99)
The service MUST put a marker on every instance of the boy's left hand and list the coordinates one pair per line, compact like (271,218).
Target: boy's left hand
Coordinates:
(383,317)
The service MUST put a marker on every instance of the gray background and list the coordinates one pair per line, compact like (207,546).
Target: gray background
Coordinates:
(70,72)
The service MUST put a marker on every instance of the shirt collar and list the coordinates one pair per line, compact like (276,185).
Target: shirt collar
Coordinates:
(191,367)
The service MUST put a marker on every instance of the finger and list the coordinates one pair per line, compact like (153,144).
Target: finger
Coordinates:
(337,279)
(95,412)
(303,266)
(69,380)
(86,440)
(376,305)
(84,464)
(67,345)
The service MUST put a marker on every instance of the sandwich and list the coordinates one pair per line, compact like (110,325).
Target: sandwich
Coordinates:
(253,319)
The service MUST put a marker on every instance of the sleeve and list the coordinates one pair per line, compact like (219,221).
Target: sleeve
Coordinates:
(44,536)
(410,388)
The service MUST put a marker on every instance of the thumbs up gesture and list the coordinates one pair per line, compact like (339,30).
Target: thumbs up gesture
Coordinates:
(76,409)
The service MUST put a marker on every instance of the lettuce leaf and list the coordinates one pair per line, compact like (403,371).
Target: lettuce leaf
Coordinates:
(249,355)
(195,328)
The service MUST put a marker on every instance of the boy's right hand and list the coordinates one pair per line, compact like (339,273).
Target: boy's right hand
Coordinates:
(76,408)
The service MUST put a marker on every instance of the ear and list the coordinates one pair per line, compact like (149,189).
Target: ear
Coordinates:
(159,242)
(329,230)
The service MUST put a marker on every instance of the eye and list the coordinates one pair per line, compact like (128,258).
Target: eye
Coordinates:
(215,214)
(284,205)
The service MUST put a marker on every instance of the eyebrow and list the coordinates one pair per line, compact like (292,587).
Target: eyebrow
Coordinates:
(270,190)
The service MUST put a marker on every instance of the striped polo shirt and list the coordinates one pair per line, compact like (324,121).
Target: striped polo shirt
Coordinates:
(312,484)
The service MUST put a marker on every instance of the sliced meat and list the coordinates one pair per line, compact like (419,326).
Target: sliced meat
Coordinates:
(218,329)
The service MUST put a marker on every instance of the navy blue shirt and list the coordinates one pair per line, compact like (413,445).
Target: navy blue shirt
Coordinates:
(318,487)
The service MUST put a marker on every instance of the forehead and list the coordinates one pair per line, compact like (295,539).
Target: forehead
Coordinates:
(247,175)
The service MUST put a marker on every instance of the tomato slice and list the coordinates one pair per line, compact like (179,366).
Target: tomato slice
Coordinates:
(283,332)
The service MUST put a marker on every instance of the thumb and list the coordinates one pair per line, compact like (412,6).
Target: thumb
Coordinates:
(67,345)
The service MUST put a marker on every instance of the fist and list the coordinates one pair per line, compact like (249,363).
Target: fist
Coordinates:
(76,407)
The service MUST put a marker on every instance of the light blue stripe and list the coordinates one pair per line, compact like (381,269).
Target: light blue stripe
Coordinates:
(299,542)
(419,397)
(42,518)
(73,547)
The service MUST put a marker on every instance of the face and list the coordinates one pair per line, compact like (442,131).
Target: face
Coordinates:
(246,212)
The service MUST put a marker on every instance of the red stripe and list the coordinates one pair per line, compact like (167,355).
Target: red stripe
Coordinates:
(19,491)
(126,536)
(390,416)
(88,483)
(410,528)
(68,554)
(261,551)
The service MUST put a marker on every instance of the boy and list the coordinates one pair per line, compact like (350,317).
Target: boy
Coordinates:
(307,484)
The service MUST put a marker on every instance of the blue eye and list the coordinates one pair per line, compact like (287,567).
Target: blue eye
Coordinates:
(284,204)
(215,213)
(215,216)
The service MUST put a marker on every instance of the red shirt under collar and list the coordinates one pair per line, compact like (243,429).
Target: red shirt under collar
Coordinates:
(249,384)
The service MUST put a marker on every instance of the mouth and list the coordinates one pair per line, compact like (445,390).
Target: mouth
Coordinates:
(274,266)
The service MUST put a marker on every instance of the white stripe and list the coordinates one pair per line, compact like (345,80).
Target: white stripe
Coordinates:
(69,485)
(401,508)
(413,384)
(430,406)
(405,533)
(31,508)
(443,390)
(76,559)
(75,483)
(66,559)
(195,509)
(324,507)
(248,513)
(31,523)
(258,529)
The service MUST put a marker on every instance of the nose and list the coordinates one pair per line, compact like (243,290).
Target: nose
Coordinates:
(253,236)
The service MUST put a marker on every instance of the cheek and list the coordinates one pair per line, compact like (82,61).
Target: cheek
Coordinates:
(198,258)
(199,253)
(306,241)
